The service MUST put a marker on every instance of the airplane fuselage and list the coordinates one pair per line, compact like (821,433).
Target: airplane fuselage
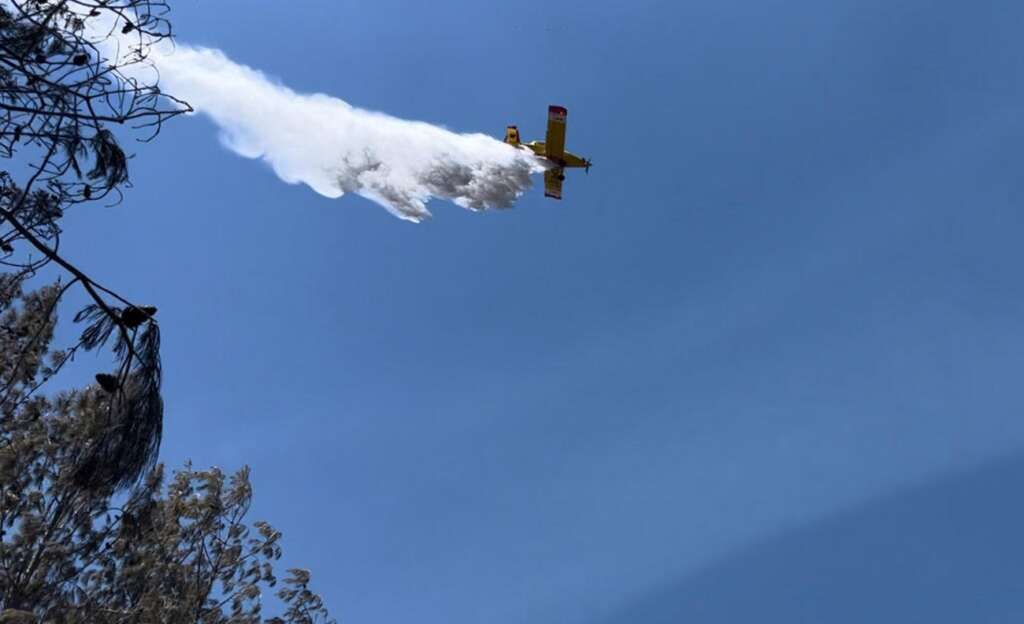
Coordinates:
(567,159)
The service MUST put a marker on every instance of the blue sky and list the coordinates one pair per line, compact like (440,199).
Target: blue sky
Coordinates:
(774,337)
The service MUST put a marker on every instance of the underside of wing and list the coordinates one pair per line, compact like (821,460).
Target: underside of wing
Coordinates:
(554,141)
(553,182)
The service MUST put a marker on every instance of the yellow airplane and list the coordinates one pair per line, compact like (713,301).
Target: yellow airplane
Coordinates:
(552,149)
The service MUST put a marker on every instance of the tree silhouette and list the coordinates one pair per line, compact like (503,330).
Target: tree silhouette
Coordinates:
(175,550)
(70,93)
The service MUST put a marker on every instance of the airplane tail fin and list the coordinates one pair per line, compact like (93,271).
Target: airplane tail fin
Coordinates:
(512,135)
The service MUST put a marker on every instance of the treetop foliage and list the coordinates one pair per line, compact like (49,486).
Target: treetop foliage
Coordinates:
(91,527)
(69,93)
(172,550)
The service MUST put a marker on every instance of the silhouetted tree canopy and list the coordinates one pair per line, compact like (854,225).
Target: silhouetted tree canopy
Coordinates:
(69,95)
(171,550)
(91,530)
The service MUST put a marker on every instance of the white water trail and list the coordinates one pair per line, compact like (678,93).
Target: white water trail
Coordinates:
(336,148)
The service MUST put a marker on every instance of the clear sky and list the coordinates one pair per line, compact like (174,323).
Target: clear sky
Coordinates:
(762,364)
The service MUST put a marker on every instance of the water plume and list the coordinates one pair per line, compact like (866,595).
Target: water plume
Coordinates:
(336,148)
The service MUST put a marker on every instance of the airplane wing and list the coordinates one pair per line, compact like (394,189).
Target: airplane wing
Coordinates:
(554,141)
(553,182)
